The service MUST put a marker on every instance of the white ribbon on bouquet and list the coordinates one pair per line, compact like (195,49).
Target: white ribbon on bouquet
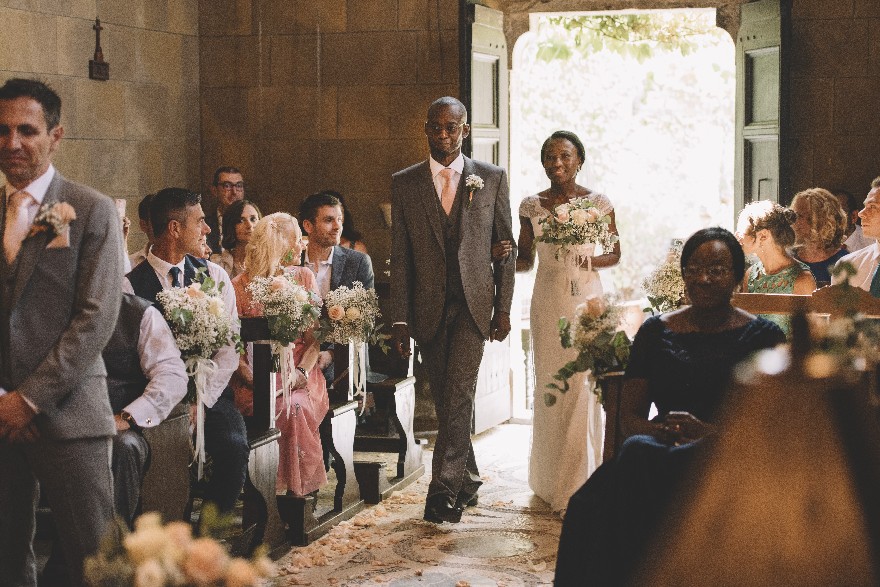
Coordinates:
(200,369)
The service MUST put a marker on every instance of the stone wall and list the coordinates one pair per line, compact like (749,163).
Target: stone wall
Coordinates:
(835,82)
(305,95)
(137,132)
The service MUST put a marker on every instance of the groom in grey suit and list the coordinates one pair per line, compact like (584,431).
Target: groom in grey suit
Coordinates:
(446,291)
(59,298)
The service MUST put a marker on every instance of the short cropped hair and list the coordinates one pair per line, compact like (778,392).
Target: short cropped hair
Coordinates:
(224,169)
(144,208)
(308,209)
(568,136)
(716,233)
(36,90)
(170,204)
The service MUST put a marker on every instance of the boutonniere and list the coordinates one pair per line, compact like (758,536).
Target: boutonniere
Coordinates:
(473,182)
(56,218)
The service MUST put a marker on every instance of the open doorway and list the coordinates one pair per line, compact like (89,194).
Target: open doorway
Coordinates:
(652,96)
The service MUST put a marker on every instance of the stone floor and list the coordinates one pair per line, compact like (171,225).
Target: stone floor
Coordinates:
(509,539)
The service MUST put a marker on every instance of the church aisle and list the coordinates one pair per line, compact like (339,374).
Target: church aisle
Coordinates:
(508,540)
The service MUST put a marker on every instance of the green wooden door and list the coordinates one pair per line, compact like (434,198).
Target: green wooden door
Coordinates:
(484,90)
(762,103)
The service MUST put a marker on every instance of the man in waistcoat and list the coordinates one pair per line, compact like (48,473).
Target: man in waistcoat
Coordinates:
(60,269)
(179,232)
(446,292)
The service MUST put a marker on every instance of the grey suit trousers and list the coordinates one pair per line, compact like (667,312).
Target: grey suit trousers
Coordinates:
(81,517)
(452,361)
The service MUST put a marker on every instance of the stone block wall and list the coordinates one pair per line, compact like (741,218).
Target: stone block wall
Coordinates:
(835,81)
(137,132)
(305,95)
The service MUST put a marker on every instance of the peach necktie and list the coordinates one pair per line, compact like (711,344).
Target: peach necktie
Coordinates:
(447,197)
(17,224)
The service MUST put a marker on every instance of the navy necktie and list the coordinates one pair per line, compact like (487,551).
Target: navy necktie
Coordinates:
(175,277)
(875,283)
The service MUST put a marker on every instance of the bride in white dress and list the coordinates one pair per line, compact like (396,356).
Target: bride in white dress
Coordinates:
(567,437)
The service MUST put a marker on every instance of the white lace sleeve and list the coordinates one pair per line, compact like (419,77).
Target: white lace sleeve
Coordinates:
(530,207)
(602,202)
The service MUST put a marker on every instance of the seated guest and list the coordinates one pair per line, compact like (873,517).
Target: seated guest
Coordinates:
(681,361)
(179,232)
(227,188)
(351,238)
(275,247)
(144,223)
(239,220)
(764,230)
(866,260)
(855,238)
(819,231)
(146,378)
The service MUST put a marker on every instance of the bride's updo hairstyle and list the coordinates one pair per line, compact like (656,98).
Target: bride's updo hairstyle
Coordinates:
(269,242)
(568,136)
(768,215)
(716,233)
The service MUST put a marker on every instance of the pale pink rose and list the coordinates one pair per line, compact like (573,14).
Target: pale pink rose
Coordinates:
(195,291)
(594,307)
(592,215)
(240,573)
(205,561)
(336,312)
(179,533)
(352,314)
(579,217)
(148,520)
(64,212)
(145,544)
(278,283)
(149,574)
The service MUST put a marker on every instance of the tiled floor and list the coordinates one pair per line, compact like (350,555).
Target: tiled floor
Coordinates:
(509,539)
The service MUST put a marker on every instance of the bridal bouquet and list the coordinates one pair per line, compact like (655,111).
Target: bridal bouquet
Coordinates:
(664,287)
(201,326)
(169,555)
(351,319)
(602,347)
(579,222)
(290,309)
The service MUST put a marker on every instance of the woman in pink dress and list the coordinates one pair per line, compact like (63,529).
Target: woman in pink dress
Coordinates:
(275,248)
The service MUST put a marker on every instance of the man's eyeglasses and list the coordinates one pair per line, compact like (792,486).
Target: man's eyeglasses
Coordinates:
(451,128)
(714,272)
(228,185)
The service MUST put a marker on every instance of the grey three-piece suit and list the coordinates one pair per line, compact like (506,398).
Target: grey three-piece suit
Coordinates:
(446,288)
(58,307)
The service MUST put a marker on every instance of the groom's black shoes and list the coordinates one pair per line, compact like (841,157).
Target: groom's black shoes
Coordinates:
(466,500)
(439,510)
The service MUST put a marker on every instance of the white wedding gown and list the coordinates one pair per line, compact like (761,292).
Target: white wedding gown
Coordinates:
(567,437)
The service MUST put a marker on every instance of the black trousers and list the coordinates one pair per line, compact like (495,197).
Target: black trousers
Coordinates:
(227,444)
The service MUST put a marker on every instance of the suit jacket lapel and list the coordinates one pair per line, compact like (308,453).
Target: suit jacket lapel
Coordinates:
(32,248)
(463,194)
(429,200)
(337,267)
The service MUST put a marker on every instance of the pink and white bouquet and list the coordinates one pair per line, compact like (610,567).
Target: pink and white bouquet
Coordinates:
(578,222)
(169,555)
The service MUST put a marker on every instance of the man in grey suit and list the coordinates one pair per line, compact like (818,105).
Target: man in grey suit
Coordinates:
(447,292)
(59,298)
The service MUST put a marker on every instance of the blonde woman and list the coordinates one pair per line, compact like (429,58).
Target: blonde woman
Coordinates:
(819,230)
(275,247)
(764,229)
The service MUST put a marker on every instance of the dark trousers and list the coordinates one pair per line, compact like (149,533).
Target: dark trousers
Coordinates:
(227,444)
(75,477)
(452,361)
(130,454)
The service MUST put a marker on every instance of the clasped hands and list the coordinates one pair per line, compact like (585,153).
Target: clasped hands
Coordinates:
(682,428)
(16,419)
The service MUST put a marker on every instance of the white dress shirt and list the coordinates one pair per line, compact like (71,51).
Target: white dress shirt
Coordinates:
(322,271)
(161,363)
(37,189)
(227,357)
(865,261)
(457,166)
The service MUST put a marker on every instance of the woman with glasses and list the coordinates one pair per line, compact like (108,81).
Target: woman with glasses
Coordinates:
(820,229)
(681,362)
(239,221)
(764,230)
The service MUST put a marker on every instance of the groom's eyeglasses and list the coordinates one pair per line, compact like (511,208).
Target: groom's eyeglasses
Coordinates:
(451,128)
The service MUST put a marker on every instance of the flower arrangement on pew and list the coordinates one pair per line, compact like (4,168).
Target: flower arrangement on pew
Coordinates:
(602,347)
(350,318)
(664,287)
(164,556)
(200,324)
(576,228)
(290,309)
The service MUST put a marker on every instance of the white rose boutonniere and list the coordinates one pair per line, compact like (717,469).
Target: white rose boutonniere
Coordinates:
(57,218)
(473,182)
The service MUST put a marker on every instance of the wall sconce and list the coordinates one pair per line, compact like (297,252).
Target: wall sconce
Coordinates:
(385,207)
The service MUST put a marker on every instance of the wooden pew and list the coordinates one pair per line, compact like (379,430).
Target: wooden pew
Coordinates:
(166,483)
(832,300)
